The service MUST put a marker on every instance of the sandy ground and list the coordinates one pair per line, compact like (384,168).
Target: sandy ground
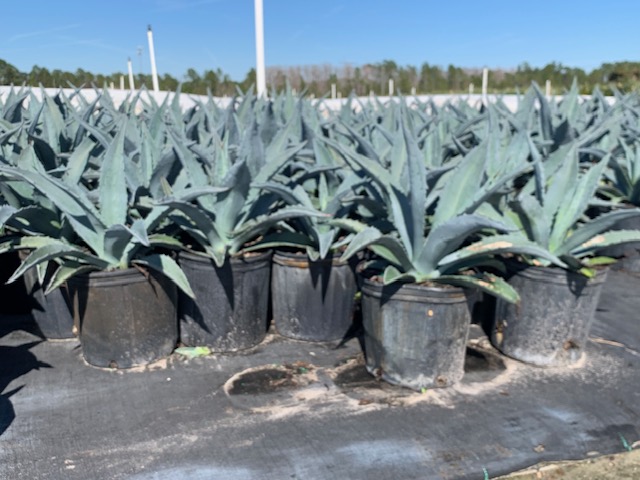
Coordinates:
(608,467)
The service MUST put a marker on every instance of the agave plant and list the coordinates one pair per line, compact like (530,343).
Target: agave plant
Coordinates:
(223,222)
(550,211)
(622,179)
(427,243)
(103,231)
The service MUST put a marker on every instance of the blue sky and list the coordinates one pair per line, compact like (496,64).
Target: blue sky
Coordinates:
(99,35)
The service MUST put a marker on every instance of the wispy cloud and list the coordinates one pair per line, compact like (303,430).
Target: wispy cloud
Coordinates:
(173,5)
(39,33)
(64,41)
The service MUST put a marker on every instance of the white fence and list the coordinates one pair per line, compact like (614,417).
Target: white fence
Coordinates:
(189,100)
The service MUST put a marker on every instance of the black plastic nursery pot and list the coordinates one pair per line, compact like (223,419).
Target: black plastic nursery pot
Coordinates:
(230,310)
(51,313)
(14,299)
(550,325)
(312,300)
(126,317)
(415,335)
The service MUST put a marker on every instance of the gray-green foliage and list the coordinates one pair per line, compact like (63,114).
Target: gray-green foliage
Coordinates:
(429,231)
(436,192)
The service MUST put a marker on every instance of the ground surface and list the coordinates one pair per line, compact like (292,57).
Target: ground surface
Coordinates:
(293,410)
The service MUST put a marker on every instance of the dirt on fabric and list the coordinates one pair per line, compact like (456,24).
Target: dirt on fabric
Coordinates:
(622,466)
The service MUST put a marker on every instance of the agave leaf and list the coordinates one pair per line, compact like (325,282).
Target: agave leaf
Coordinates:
(598,261)
(6,212)
(77,163)
(65,271)
(325,241)
(281,240)
(190,194)
(465,178)
(169,268)
(417,188)
(448,236)
(532,217)
(293,196)
(34,220)
(403,212)
(229,205)
(113,187)
(348,224)
(55,249)
(493,245)
(615,237)
(546,120)
(484,281)
(385,246)
(27,160)
(391,275)
(569,214)
(118,242)
(538,170)
(252,149)
(139,231)
(372,168)
(192,167)
(365,236)
(258,226)
(78,209)
(164,241)
(201,220)
(588,230)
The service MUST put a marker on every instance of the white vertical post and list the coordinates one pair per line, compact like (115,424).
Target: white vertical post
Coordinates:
(471,87)
(152,55)
(548,88)
(261,78)
(121,82)
(485,83)
(132,85)
(112,86)
(413,91)
(333,90)
(391,87)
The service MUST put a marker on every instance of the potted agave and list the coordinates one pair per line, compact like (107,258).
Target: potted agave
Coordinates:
(51,314)
(231,284)
(312,289)
(558,299)
(27,212)
(415,292)
(123,288)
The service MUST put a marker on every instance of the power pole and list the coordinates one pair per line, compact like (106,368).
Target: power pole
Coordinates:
(261,79)
(154,71)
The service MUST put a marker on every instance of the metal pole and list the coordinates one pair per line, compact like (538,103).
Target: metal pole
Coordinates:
(132,85)
(154,72)
(261,81)
(485,82)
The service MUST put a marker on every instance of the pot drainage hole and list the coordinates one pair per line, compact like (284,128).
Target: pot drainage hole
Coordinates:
(271,379)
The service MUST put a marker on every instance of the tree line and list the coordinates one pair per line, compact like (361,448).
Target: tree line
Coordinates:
(365,79)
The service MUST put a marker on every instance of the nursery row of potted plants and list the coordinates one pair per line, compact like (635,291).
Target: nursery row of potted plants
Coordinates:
(157,225)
